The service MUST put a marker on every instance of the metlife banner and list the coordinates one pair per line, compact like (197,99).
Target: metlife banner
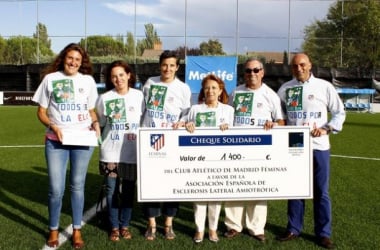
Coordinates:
(197,67)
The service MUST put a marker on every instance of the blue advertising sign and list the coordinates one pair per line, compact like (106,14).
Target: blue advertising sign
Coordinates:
(197,67)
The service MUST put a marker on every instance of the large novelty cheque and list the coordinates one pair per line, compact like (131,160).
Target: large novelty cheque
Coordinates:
(236,164)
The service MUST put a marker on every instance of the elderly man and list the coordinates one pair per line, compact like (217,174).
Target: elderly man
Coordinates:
(256,105)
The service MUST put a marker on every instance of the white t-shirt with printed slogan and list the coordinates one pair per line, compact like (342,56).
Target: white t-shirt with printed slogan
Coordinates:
(166,103)
(309,104)
(67,99)
(204,116)
(255,107)
(120,115)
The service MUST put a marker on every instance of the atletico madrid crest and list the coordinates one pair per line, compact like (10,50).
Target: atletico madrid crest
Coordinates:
(157,141)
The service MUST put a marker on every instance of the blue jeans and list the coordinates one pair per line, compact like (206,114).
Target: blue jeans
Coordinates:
(119,202)
(321,200)
(57,158)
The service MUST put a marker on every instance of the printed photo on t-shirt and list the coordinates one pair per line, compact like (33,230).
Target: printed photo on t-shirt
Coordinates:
(156,98)
(294,98)
(206,119)
(115,110)
(243,103)
(63,91)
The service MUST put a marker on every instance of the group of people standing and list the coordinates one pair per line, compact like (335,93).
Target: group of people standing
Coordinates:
(165,102)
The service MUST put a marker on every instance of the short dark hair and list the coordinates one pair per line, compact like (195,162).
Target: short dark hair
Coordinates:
(169,54)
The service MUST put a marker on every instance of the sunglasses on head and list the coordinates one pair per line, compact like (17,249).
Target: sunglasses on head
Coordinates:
(254,70)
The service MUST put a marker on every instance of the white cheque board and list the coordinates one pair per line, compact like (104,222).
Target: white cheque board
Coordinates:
(236,164)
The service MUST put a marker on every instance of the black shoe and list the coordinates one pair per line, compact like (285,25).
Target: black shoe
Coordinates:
(232,233)
(287,236)
(259,237)
(326,243)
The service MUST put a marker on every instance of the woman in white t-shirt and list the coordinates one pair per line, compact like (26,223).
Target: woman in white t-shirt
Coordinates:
(167,100)
(119,111)
(212,111)
(66,98)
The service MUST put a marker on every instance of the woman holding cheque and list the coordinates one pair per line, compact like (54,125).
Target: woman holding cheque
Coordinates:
(212,111)
(66,98)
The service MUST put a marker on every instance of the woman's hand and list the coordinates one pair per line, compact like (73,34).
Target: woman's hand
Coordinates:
(223,126)
(190,127)
(57,131)
(95,126)
(179,124)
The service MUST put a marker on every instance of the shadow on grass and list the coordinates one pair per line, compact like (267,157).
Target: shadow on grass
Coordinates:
(32,186)
(183,221)
(26,185)
(279,230)
(20,191)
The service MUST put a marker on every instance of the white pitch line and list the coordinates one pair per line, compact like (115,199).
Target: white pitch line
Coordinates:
(340,156)
(66,234)
(357,157)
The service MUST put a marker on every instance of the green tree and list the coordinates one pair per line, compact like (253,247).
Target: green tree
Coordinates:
(212,47)
(285,59)
(151,38)
(3,46)
(104,46)
(20,50)
(182,51)
(23,50)
(130,45)
(119,38)
(44,42)
(349,36)
(42,35)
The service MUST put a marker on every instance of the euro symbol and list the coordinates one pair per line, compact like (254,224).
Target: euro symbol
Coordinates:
(268,157)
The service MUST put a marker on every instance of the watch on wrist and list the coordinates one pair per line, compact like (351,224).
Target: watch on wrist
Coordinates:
(328,129)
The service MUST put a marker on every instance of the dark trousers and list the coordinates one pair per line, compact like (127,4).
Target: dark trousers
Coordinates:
(321,200)
(154,209)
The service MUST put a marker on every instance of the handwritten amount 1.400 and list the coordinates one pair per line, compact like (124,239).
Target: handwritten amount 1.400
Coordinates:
(231,157)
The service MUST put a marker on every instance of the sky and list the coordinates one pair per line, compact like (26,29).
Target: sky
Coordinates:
(240,25)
